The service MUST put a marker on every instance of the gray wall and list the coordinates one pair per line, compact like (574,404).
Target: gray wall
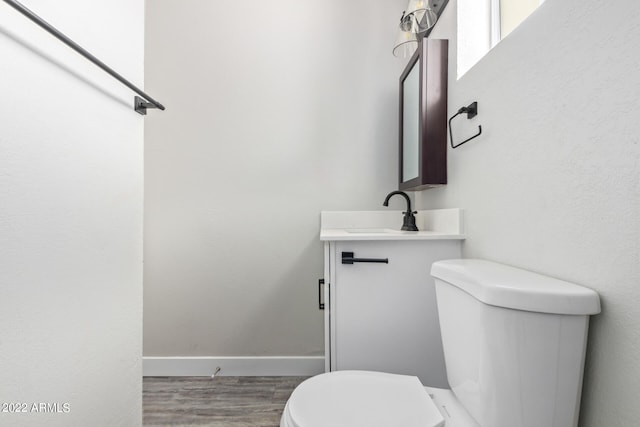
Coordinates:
(71,216)
(278,110)
(552,185)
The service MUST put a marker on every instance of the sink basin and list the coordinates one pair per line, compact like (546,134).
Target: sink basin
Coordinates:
(372,231)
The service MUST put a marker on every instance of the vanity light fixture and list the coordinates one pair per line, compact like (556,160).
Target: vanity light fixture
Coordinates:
(418,17)
(406,44)
(416,20)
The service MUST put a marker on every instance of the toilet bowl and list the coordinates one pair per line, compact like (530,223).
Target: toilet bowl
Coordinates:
(351,398)
(514,344)
(372,399)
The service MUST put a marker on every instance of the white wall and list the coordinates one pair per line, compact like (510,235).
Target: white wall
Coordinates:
(71,216)
(279,110)
(553,183)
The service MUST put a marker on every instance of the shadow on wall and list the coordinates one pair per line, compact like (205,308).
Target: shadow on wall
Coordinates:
(51,60)
(300,282)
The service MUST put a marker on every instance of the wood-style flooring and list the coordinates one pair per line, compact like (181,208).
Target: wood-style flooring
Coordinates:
(221,401)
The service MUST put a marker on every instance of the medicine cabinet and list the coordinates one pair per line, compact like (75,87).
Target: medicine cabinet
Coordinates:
(423,117)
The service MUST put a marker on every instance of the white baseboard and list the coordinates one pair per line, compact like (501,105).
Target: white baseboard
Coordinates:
(232,366)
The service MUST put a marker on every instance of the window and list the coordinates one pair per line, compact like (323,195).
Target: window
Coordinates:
(508,14)
(483,23)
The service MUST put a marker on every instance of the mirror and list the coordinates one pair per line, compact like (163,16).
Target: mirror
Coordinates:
(423,117)
(410,126)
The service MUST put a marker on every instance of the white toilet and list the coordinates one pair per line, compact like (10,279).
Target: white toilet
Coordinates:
(514,345)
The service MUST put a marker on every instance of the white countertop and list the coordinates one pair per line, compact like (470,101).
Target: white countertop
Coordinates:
(332,234)
(435,224)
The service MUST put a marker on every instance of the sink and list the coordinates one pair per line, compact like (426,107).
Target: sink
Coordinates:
(373,231)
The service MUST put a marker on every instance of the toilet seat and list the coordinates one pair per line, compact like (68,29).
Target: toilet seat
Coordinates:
(361,399)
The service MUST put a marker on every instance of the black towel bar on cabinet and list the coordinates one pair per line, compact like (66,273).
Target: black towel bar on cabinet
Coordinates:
(348,258)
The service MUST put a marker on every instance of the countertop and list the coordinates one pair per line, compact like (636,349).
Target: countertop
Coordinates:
(437,224)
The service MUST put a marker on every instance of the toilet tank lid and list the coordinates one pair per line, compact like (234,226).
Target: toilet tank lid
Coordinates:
(504,286)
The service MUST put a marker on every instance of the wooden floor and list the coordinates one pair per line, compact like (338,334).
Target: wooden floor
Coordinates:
(222,401)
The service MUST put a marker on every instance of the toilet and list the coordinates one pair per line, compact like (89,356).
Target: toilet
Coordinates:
(514,345)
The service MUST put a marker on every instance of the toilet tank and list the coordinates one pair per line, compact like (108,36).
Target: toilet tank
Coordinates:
(514,342)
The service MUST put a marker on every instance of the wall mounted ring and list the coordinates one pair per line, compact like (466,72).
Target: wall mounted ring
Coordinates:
(471,110)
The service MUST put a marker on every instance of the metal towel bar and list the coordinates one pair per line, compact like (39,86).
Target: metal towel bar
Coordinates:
(140,103)
(348,258)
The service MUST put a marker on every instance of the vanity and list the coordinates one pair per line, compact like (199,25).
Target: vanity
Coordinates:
(377,292)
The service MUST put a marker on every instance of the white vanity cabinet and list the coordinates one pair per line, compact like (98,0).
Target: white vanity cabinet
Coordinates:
(383,316)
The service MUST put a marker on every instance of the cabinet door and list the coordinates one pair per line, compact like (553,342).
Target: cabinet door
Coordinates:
(384,315)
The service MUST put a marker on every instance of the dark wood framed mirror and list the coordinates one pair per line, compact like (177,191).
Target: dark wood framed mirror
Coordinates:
(423,117)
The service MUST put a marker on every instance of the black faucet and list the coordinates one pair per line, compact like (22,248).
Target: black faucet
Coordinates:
(409,221)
